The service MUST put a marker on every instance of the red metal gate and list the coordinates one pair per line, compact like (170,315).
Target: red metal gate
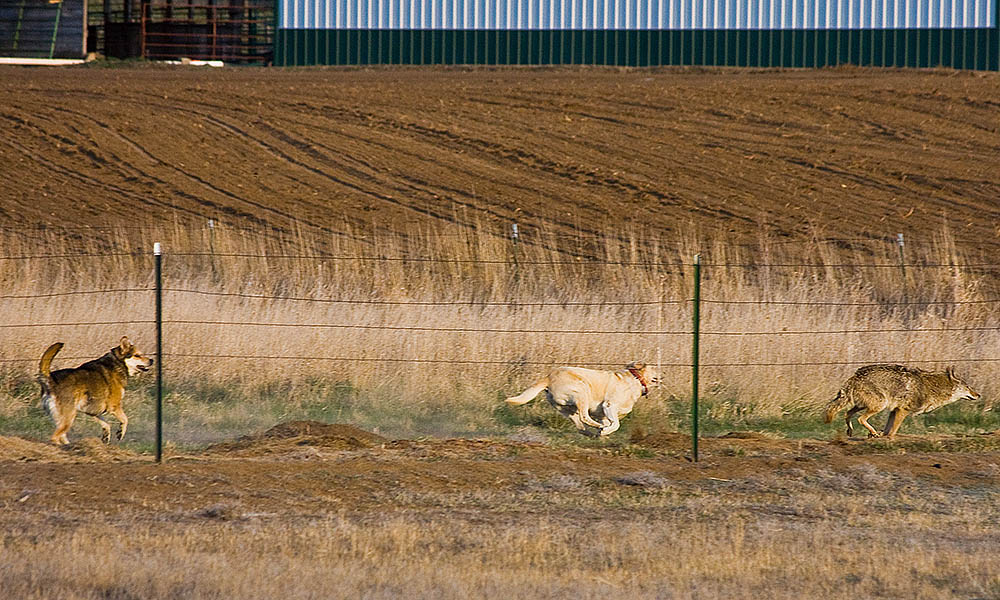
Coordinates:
(241,31)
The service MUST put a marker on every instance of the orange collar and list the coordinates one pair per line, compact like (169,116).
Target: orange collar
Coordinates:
(638,375)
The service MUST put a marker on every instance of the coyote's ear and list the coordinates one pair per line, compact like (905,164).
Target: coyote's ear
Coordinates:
(124,344)
(638,366)
(951,373)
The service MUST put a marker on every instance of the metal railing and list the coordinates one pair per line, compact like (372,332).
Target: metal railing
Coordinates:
(230,33)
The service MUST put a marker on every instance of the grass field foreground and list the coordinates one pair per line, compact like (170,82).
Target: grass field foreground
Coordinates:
(859,532)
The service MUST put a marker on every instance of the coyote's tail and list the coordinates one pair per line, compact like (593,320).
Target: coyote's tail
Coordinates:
(529,394)
(837,404)
(45,375)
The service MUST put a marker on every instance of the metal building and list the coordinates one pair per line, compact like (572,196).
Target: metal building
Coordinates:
(788,33)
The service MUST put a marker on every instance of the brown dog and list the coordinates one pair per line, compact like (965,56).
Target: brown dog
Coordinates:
(96,388)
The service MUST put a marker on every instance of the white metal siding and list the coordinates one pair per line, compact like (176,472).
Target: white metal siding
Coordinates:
(637,14)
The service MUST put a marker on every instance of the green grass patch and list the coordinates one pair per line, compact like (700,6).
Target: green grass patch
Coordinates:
(197,413)
(721,415)
(718,416)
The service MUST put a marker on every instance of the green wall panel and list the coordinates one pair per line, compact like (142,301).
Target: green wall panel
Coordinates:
(955,48)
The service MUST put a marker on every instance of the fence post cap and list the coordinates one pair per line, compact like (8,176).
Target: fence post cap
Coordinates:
(157,249)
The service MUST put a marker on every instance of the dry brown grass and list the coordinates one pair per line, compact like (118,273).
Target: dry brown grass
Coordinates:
(860,533)
(459,297)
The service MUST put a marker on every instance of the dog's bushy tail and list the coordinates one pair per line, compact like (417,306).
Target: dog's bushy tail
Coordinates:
(836,405)
(45,365)
(45,375)
(529,394)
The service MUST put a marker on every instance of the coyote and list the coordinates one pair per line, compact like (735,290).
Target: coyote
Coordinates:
(95,388)
(586,395)
(904,390)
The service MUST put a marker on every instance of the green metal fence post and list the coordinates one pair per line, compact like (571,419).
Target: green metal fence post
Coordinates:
(158,261)
(55,30)
(694,357)
(20,19)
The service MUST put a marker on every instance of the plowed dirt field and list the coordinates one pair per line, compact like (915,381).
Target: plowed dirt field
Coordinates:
(831,153)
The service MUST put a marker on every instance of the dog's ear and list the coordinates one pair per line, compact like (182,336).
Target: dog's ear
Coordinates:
(950,371)
(125,346)
(638,366)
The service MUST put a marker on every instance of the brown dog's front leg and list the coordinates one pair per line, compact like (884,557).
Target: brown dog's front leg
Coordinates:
(105,429)
(123,420)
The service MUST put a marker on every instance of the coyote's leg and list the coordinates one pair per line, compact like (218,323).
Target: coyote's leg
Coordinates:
(895,420)
(850,415)
(889,421)
(863,419)
(105,428)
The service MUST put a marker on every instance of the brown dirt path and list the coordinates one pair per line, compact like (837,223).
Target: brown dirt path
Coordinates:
(305,468)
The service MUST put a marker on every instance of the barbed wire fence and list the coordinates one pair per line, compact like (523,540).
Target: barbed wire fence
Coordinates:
(699,305)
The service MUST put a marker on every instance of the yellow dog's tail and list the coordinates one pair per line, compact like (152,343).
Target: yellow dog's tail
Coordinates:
(45,376)
(529,394)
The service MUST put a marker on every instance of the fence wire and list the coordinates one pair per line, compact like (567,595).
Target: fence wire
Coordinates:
(72,293)
(520,262)
(475,303)
(469,302)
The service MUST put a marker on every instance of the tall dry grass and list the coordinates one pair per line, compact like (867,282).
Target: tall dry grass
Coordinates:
(436,326)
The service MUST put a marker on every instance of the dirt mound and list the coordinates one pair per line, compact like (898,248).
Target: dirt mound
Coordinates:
(92,449)
(84,450)
(292,436)
(20,449)
(467,448)
(325,430)
(663,440)
(731,443)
